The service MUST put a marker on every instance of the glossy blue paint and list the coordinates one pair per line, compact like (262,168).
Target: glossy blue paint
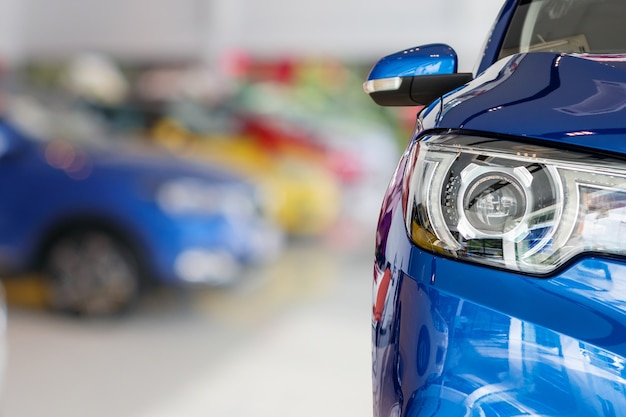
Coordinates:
(554,97)
(116,188)
(498,343)
(424,60)
(453,338)
(494,39)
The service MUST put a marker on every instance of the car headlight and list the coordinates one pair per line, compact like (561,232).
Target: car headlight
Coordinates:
(194,196)
(512,205)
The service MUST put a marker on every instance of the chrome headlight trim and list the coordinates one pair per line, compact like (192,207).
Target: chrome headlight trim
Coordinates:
(513,205)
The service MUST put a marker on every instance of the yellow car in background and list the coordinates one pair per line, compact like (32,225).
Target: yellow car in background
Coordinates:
(301,197)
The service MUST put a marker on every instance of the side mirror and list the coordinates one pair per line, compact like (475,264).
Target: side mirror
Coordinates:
(415,77)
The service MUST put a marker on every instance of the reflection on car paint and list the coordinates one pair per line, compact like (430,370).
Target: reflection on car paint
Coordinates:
(457,334)
(495,364)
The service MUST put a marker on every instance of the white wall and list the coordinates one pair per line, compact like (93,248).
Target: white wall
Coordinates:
(355,29)
(127,28)
(11,26)
(359,28)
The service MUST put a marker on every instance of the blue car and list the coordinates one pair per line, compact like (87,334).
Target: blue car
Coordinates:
(104,222)
(500,262)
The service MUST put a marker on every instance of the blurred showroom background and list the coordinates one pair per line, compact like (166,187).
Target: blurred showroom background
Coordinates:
(269,92)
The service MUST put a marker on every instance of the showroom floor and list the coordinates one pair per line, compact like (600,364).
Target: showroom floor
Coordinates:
(291,339)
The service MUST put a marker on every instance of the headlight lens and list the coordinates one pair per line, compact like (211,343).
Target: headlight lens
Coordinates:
(511,205)
(193,196)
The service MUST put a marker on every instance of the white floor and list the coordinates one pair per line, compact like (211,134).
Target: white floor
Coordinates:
(292,340)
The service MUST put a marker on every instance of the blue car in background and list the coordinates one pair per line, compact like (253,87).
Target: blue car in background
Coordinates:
(104,221)
(500,269)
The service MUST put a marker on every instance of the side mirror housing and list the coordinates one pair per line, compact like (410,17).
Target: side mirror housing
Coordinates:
(415,77)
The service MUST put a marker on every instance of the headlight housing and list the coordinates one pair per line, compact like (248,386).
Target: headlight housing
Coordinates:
(191,196)
(512,205)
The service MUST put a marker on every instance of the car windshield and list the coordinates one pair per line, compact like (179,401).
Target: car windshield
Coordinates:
(567,26)
(53,118)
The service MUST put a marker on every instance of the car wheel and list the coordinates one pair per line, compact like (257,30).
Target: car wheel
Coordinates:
(91,273)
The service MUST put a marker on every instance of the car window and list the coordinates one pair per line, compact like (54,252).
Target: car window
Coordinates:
(567,26)
(53,119)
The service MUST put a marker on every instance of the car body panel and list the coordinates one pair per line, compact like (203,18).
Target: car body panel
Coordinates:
(533,345)
(456,338)
(51,185)
(554,97)
(493,41)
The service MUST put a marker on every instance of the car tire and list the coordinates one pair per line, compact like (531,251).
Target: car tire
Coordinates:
(91,273)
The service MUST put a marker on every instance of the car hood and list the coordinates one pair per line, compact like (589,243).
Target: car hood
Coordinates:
(561,98)
(155,162)
(81,161)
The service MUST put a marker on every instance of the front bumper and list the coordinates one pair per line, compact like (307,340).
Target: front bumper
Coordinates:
(219,266)
(457,339)
(212,252)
